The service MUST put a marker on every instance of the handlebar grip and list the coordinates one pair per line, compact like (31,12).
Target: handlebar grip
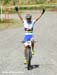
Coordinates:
(16,8)
(43,11)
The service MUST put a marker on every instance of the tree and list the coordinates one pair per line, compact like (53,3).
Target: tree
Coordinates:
(6,2)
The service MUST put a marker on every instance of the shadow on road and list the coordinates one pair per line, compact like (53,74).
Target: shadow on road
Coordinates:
(33,67)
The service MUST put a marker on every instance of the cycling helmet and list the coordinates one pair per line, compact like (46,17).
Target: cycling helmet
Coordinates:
(28,16)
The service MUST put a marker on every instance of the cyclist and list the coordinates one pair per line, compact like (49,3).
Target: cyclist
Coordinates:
(28,27)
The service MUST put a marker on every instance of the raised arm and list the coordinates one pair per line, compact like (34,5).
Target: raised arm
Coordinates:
(40,15)
(18,12)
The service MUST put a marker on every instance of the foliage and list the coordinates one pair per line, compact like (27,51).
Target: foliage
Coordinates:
(6,1)
(40,1)
(15,2)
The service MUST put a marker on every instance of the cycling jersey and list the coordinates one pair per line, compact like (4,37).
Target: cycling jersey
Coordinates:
(28,33)
(29,26)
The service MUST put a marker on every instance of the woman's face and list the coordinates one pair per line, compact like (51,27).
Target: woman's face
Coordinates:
(28,20)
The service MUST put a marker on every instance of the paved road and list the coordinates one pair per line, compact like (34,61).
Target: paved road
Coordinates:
(11,48)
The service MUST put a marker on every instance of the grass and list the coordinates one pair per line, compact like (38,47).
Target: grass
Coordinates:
(10,24)
(30,7)
(39,6)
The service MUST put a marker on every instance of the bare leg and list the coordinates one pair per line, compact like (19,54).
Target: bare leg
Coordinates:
(25,49)
(33,52)
(33,45)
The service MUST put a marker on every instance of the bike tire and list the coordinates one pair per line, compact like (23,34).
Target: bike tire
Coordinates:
(29,56)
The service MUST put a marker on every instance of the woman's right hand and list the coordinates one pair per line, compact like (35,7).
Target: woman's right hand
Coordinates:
(43,11)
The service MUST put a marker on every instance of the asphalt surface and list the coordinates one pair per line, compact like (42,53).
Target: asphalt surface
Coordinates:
(44,61)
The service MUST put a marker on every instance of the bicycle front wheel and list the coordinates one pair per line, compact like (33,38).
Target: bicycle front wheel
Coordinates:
(29,56)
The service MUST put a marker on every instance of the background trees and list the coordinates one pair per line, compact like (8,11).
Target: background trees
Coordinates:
(14,2)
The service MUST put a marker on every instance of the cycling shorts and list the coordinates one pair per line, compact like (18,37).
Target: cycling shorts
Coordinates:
(28,37)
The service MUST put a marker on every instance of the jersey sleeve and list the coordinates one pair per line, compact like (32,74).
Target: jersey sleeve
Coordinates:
(33,21)
(24,24)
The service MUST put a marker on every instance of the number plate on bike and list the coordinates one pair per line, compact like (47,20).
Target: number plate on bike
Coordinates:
(28,43)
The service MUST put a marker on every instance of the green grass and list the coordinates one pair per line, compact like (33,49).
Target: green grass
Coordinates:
(32,7)
(22,2)
(39,6)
